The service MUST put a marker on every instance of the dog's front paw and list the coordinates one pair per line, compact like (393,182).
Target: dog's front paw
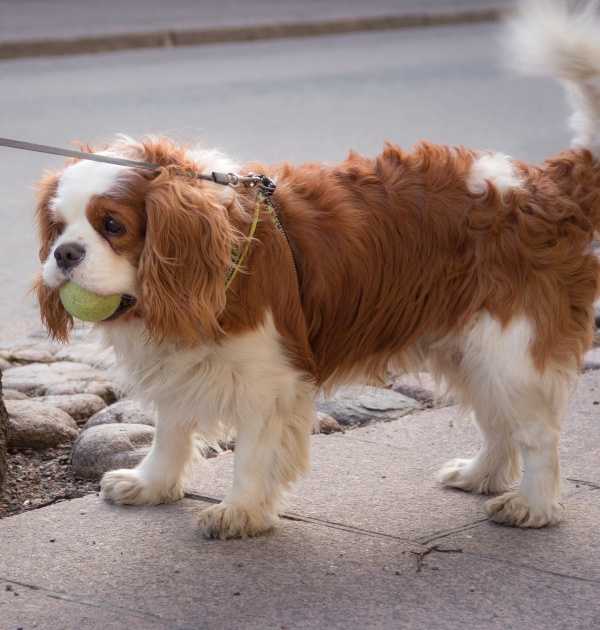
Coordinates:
(471,476)
(513,508)
(228,520)
(130,487)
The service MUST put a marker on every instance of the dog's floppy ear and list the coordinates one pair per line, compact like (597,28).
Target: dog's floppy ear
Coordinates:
(186,254)
(55,318)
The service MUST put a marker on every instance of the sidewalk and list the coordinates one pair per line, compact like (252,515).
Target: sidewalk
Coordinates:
(73,27)
(370,541)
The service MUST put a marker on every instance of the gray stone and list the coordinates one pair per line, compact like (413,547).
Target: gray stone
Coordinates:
(123,412)
(91,353)
(13,394)
(36,379)
(28,351)
(34,425)
(357,406)
(104,389)
(79,406)
(420,386)
(326,424)
(110,446)
(28,355)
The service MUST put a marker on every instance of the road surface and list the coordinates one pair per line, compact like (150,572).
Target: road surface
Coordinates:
(298,99)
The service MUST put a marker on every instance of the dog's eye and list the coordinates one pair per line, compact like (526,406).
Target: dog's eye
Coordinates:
(113,227)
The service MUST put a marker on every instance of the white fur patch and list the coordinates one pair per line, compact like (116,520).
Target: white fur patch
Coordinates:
(495,168)
(212,160)
(245,383)
(102,270)
(79,183)
(228,383)
(518,410)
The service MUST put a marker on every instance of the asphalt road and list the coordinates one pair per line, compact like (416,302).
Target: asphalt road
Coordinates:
(294,99)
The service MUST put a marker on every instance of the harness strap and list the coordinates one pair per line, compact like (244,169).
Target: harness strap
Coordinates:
(238,258)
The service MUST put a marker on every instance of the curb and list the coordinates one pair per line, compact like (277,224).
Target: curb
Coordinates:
(197,37)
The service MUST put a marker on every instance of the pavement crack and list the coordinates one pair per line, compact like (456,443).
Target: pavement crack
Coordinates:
(52,594)
(420,555)
(61,498)
(522,565)
(444,533)
(583,482)
(311,520)
(343,526)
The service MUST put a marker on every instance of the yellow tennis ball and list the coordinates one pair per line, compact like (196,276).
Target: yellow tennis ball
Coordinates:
(85,305)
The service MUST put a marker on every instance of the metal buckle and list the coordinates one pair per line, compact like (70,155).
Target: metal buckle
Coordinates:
(267,185)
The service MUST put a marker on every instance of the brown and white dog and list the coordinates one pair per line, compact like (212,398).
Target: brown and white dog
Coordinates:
(469,263)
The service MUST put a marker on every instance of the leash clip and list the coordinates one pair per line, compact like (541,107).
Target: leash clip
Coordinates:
(267,186)
(252,180)
(225,179)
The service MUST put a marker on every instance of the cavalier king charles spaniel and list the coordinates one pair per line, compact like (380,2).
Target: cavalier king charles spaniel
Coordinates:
(470,264)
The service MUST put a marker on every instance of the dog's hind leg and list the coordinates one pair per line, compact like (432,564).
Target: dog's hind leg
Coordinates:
(494,468)
(518,409)
(271,452)
(538,415)
(473,367)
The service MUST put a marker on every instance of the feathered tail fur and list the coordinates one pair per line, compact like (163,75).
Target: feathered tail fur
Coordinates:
(561,38)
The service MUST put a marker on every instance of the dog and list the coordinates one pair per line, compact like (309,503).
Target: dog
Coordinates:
(470,264)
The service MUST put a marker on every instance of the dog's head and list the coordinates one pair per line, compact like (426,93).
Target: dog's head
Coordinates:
(162,240)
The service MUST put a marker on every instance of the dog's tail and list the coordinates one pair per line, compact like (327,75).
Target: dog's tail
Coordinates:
(561,39)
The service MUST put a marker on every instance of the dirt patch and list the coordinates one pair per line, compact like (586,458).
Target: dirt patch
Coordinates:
(39,478)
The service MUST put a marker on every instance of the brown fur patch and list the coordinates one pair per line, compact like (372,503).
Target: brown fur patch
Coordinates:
(54,317)
(393,252)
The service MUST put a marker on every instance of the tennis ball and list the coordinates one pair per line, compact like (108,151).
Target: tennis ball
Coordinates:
(87,306)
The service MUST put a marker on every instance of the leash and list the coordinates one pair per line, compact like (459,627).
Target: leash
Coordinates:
(225,179)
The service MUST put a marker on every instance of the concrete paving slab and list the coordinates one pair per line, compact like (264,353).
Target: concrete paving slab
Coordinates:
(150,568)
(488,594)
(580,441)
(572,548)
(153,563)
(25,607)
(382,477)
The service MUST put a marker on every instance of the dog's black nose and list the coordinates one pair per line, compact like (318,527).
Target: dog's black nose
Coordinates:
(69,255)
